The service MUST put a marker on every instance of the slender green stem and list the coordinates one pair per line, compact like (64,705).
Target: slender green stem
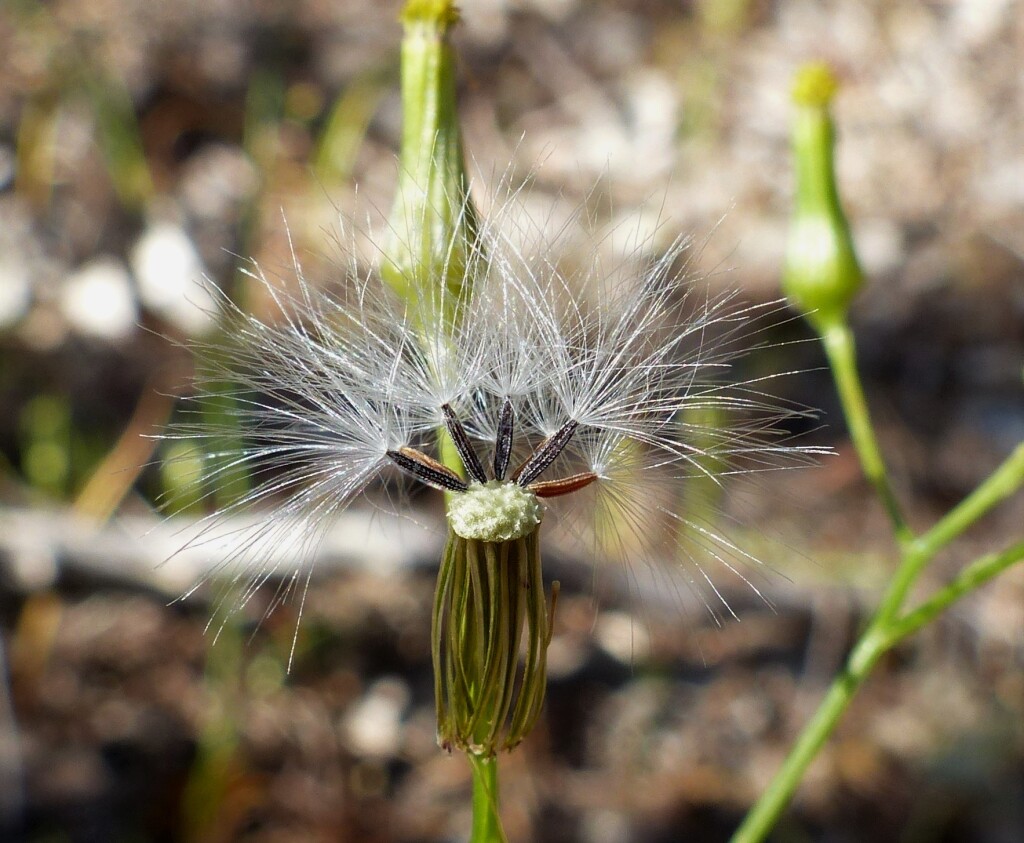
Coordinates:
(886,627)
(763,816)
(486,822)
(839,346)
(979,572)
(880,636)
(822,275)
(997,487)
(994,489)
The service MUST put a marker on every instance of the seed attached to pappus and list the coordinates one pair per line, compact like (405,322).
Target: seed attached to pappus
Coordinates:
(571,385)
(490,591)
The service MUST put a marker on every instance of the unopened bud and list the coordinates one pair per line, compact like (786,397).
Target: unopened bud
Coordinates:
(433,224)
(822,274)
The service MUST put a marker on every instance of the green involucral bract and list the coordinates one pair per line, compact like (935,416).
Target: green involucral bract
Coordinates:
(489,597)
(433,223)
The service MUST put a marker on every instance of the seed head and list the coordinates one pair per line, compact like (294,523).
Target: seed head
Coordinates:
(553,384)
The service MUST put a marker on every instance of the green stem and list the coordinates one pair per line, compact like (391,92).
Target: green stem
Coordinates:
(994,489)
(979,572)
(763,816)
(822,275)
(839,346)
(486,822)
(887,629)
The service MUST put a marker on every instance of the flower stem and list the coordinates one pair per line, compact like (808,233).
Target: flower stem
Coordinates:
(486,822)
(888,627)
(839,347)
(764,815)
(822,276)
(998,486)
(979,572)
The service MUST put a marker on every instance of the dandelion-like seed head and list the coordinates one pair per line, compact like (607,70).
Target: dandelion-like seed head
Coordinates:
(562,383)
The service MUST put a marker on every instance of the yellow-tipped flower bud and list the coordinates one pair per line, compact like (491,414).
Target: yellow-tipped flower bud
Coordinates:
(822,274)
(433,223)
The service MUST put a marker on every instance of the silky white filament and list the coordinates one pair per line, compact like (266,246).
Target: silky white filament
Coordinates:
(326,391)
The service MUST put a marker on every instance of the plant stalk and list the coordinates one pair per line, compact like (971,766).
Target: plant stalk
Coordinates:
(979,572)
(761,819)
(822,276)
(994,489)
(887,626)
(839,347)
(486,821)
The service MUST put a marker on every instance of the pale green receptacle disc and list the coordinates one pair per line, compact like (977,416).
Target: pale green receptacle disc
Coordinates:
(494,512)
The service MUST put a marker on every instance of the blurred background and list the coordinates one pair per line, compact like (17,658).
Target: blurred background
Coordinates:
(145,145)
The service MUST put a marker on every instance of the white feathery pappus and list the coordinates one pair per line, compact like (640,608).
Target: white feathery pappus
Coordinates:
(589,383)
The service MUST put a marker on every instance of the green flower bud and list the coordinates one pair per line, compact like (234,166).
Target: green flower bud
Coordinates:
(433,223)
(822,274)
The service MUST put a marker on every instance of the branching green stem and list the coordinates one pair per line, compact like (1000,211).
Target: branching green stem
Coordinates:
(979,572)
(890,624)
(822,275)
(998,486)
(765,813)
